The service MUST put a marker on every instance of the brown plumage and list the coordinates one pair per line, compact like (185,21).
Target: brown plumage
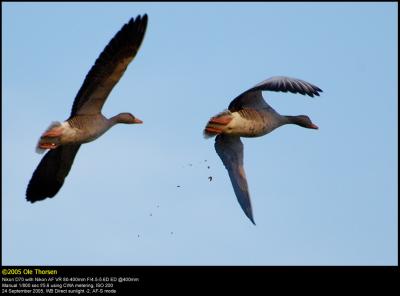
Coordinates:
(86,123)
(249,115)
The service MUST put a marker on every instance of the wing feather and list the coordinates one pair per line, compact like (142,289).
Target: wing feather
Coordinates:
(51,172)
(252,98)
(230,150)
(109,67)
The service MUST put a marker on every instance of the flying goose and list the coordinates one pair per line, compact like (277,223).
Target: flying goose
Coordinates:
(86,123)
(248,115)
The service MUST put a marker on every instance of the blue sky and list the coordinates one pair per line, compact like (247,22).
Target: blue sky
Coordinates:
(326,197)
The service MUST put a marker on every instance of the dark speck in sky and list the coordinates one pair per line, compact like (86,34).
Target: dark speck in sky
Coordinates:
(210,178)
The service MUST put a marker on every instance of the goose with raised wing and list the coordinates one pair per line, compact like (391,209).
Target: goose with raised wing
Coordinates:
(86,123)
(249,115)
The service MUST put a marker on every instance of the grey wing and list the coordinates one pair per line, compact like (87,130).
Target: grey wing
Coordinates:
(50,174)
(253,96)
(109,67)
(230,150)
(248,99)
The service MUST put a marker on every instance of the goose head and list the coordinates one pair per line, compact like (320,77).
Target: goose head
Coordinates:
(302,120)
(126,118)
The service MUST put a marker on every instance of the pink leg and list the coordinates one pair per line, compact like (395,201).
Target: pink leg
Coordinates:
(48,146)
(54,132)
(224,120)
(213,130)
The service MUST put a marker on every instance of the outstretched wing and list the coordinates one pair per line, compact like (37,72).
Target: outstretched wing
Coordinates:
(109,67)
(252,98)
(230,150)
(50,174)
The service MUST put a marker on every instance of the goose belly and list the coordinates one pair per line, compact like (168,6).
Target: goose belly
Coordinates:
(250,123)
(73,134)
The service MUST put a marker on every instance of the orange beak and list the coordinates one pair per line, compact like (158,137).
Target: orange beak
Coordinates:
(137,120)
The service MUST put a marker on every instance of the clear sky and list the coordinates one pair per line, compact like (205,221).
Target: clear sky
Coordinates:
(326,197)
